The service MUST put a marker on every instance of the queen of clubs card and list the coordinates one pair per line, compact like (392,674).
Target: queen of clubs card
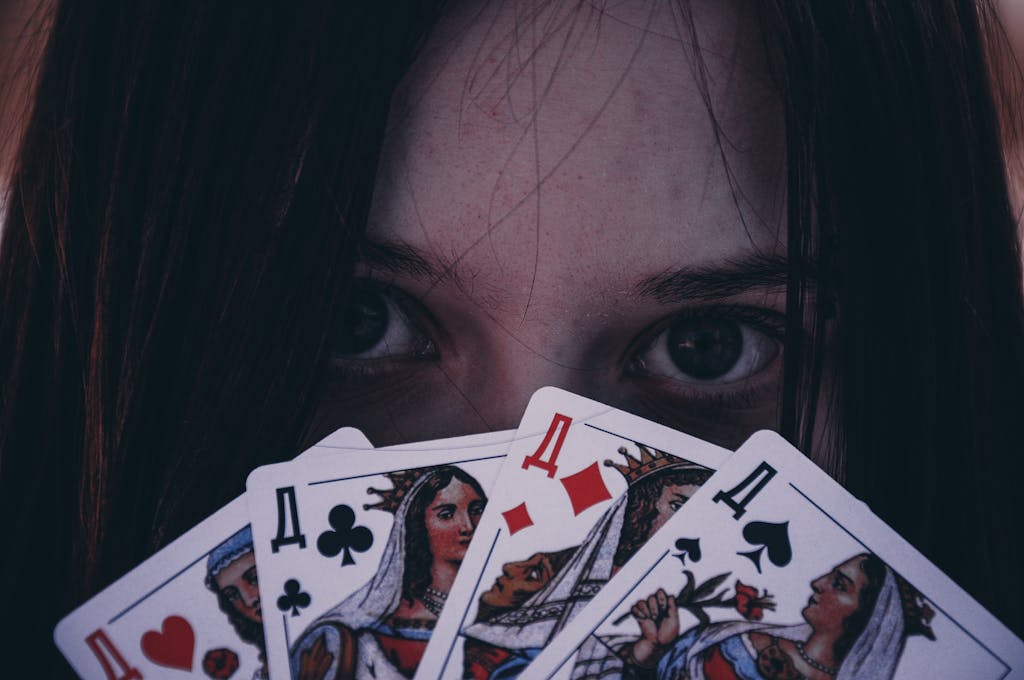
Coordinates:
(382,629)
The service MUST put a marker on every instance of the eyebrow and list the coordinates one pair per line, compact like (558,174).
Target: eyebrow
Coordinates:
(756,271)
(401,258)
(707,283)
(845,577)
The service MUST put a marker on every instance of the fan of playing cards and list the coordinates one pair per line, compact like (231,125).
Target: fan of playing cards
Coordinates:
(589,543)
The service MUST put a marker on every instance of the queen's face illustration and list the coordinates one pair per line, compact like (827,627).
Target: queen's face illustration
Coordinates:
(238,583)
(669,501)
(518,581)
(836,595)
(451,519)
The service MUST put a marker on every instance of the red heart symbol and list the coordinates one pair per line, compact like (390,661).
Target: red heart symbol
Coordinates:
(173,646)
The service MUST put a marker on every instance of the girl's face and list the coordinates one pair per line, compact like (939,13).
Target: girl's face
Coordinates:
(451,520)
(555,206)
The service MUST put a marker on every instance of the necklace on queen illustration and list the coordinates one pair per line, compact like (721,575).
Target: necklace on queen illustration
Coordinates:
(433,600)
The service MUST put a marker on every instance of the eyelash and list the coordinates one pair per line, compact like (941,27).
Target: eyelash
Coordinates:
(767,322)
(707,394)
(416,317)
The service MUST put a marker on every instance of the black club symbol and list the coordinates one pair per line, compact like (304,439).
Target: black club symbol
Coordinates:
(345,535)
(293,597)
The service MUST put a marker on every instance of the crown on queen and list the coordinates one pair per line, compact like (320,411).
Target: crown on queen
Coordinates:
(651,461)
(402,482)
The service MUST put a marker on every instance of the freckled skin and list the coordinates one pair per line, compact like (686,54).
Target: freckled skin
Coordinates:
(546,192)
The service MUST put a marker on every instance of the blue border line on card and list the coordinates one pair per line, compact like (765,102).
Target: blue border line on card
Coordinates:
(181,571)
(376,474)
(287,637)
(969,634)
(616,434)
(469,603)
(615,606)
(639,443)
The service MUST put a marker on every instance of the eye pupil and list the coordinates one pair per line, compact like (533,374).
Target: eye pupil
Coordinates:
(705,348)
(363,322)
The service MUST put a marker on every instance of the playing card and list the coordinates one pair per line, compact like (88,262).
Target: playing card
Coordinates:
(193,607)
(360,553)
(773,570)
(584,485)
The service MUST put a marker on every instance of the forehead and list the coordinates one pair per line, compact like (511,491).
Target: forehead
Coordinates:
(456,489)
(853,570)
(670,489)
(234,570)
(575,141)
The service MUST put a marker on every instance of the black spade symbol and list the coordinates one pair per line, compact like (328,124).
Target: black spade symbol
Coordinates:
(688,547)
(773,537)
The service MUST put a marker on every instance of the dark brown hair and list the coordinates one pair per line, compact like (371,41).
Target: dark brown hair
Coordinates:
(901,230)
(180,230)
(193,182)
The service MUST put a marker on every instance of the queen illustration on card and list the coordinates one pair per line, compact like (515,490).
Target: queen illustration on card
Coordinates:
(231,575)
(382,628)
(533,599)
(856,621)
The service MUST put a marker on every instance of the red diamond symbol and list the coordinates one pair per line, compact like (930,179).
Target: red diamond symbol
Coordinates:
(517,518)
(585,488)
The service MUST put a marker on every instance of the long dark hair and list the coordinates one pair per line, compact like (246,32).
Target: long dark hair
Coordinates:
(418,558)
(901,229)
(181,225)
(193,181)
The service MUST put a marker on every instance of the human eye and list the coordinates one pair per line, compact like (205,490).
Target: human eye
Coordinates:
(250,576)
(375,328)
(231,593)
(476,508)
(710,347)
